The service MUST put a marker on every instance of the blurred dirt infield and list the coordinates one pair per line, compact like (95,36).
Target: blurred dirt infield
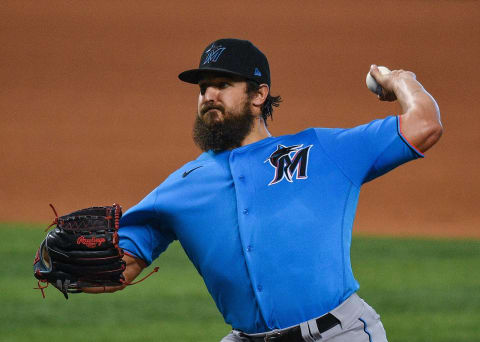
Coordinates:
(92,111)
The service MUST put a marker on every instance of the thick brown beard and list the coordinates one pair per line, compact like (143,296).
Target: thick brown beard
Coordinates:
(225,135)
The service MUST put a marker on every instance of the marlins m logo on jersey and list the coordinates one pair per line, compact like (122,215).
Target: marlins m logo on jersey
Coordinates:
(213,53)
(287,165)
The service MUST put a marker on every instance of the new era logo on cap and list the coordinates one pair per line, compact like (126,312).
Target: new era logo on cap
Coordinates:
(257,72)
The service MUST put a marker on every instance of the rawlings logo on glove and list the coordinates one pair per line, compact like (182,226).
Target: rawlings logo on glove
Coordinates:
(90,243)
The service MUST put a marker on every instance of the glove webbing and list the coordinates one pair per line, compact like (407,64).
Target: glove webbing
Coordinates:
(73,222)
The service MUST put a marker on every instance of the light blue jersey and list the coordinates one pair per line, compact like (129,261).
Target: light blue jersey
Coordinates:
(268,225)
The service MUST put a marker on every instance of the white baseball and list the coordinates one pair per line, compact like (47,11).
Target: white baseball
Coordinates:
(372,85)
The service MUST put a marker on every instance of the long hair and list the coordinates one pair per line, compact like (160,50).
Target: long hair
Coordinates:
(270,101)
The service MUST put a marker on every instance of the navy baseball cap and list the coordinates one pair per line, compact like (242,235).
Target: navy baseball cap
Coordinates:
(234,57)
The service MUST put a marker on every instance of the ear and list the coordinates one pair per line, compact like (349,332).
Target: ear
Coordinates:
(261,95)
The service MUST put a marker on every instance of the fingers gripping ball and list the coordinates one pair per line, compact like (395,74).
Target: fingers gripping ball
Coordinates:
(82,251)
(372,84)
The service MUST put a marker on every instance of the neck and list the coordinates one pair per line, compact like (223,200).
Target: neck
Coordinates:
(259,131)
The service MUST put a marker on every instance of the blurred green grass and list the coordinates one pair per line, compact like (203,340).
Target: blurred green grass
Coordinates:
(424,289)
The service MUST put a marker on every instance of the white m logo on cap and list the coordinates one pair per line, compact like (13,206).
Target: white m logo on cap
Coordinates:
(213,54)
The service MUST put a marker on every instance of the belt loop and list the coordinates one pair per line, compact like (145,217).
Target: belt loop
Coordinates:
(306,332)
(312,325)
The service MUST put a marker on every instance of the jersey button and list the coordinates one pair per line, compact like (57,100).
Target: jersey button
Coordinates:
(259,288)
(245,211)
(249,248)
(241,177)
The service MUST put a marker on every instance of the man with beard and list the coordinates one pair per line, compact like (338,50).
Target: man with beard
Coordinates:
(218,128)
(266,220)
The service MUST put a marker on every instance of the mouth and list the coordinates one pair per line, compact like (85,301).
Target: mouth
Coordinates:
(211,108)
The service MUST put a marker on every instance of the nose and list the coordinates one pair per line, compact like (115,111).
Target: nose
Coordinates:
(211,94)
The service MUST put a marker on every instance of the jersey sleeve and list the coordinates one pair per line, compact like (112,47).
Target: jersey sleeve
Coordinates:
(368,151)
(142,230)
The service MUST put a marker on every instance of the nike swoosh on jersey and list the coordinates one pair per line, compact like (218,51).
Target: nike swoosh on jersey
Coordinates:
(186,173)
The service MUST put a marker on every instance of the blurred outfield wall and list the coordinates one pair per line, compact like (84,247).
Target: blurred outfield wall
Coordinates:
(92,111)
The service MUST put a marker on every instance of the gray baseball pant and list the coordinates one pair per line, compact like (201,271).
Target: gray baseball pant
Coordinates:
(359,322)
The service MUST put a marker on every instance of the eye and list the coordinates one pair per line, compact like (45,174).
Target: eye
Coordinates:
(223,85)
(203,89)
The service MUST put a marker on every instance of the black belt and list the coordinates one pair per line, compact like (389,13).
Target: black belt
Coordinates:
(294,334)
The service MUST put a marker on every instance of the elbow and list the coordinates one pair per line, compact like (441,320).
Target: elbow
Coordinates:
(432,132)
(422,125)
(435,127)
(437,131)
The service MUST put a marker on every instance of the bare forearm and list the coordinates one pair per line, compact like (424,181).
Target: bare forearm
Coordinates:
(410,94)
(420,118)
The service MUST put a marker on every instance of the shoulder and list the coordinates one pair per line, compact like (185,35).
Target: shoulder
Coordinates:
(186,168)
(384,125)
(307,133)
(208,164)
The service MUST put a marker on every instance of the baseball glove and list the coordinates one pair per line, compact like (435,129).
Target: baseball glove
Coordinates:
(82,251)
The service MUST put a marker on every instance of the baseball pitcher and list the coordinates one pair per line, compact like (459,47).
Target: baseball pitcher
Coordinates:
(267,220)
